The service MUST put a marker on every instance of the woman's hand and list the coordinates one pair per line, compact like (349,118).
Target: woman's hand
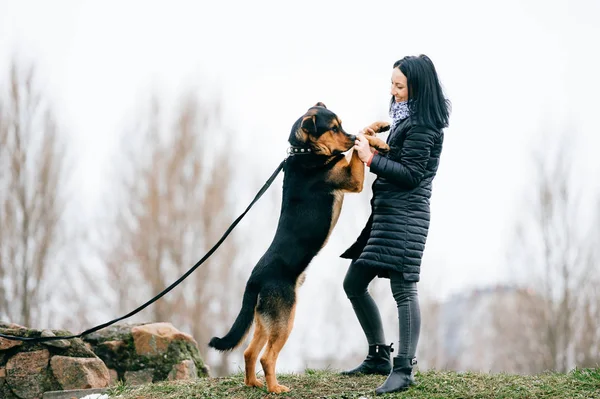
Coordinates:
(361,146)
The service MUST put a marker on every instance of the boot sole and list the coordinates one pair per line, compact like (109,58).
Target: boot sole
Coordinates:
(363,373)
(413,383)
(367,372)
(396,390)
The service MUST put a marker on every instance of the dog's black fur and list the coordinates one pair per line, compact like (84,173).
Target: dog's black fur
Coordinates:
(313,188)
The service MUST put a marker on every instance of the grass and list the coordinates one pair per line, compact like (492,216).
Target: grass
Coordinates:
(317,384)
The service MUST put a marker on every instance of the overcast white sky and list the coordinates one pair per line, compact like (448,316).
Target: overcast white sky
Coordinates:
(511,69)
(516,71)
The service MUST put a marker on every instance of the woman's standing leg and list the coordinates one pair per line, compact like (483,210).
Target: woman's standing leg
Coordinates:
(409,314)
(409,319)
(356,283)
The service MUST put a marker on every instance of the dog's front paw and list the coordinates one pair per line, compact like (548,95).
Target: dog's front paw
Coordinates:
(384,148)
(380,126)
(378,144)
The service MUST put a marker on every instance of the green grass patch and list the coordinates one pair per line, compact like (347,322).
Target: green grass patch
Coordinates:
(327,384)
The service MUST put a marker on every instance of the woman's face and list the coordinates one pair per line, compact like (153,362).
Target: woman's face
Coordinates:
(399,87)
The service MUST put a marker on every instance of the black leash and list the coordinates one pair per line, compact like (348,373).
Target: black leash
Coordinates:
(169,288)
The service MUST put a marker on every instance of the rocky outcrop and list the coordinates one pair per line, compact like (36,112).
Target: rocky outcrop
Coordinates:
(144,353)
(27,370)
(135,354)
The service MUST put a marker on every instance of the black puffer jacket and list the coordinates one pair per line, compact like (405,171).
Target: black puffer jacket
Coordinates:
(395,235)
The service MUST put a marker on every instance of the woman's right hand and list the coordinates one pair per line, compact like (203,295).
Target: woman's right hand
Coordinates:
(361,146)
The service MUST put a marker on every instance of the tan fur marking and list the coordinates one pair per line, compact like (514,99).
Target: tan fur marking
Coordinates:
(348,176)
(278,335)
(301,135)
(326,140)
(331,142)
(251,353)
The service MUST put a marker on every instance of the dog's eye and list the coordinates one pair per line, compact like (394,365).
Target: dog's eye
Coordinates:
(335,129)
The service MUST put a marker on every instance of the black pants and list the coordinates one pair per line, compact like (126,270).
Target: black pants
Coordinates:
(409,314)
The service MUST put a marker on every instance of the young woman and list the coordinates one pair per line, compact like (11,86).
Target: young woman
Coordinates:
(391,244)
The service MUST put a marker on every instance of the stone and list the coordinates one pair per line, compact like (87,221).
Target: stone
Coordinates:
(4,324)
(8,343)
(113,345)
(139,377)
(113,377)
(154,339)
(80,372)
(185,370)
(26,373)
(61,343)
(2,375)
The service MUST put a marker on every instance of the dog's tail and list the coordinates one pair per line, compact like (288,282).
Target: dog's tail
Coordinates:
(242,323)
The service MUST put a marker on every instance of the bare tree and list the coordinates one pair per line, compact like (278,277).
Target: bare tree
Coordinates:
(31,197)
(176,205)
(517,322)
(587,332)
(555,254)
(431,351)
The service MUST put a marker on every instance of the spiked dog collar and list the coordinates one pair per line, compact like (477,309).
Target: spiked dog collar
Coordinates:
(299,150)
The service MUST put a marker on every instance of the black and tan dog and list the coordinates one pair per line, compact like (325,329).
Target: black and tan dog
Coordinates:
(316,176)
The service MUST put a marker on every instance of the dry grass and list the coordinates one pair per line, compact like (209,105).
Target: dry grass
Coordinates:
(582,383)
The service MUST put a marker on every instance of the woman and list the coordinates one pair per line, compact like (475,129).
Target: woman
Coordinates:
(391,244)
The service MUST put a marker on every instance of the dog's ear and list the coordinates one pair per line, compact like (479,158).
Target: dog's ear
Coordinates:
(309,124)
(320,104)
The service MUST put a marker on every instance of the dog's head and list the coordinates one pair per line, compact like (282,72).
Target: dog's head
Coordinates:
(321,130)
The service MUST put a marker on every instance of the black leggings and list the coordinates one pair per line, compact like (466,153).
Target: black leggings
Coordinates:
(409,314)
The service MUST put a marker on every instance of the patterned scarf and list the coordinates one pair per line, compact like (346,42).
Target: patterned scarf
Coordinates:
(399,112)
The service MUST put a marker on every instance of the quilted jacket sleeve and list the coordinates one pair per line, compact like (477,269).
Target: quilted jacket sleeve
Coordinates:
(409,170)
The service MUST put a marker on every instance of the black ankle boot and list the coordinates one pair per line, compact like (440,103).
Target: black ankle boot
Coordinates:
(400,378)
(377,361)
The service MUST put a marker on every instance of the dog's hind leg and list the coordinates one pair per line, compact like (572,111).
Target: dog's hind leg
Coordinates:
(251,353)
(279,331)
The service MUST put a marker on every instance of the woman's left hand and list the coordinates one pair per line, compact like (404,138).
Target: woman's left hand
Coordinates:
(361,146)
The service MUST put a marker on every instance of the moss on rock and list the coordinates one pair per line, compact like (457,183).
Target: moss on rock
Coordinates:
(116,347)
